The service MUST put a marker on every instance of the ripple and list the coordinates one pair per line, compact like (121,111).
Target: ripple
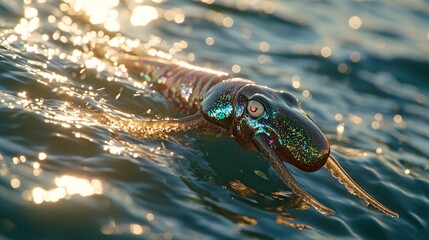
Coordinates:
(60,160)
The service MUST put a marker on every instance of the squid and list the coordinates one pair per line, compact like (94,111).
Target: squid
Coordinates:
(259,118)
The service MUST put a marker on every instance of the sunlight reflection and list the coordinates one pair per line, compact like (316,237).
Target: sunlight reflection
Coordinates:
(284,220)
(355,119)
(15,182)
(296,81)
(175,14)
(99,12)
(210,41)
(42,156)
(136,229)
(67,186)
(379,151)
(197,68)
(115,150)
(236,68)
(340,129)
(326,52)
(142,15)
(306,93)
(133,228)
(355,22)
(28,24)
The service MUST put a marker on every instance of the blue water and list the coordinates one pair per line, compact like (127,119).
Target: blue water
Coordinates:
(360,69)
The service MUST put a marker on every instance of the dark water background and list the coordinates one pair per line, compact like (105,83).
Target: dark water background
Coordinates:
(360,69)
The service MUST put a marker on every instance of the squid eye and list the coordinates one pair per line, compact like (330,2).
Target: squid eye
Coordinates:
(255,108)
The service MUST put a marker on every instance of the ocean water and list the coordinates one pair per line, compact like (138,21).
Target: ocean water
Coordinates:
(360,68)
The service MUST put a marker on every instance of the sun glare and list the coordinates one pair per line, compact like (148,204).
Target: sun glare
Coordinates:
(142,15)
(67,186)
(99,12)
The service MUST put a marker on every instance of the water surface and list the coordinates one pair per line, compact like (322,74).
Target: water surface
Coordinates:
(360,69)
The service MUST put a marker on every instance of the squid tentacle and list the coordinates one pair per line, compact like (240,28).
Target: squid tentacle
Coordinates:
(157,128)
(287,178)
(341,175)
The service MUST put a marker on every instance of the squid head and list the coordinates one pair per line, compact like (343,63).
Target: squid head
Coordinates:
(273,123)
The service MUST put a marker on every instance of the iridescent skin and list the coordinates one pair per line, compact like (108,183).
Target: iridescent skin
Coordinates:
(284,125)
(282,133)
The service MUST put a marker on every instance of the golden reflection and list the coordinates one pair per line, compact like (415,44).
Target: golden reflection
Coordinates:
(375,125)
(67,186)
(264,46)
(340,129)
(339,117)
(242,189)
(245,220)
(142,15)
(306,94)
(15,182)
(326,52)
(99,12)
(136,229)
(22,94)
(261,174)
(378,117)
(379,151)
(283,220)
(196,68)
(191,57)
(42,156)
(209,41)
(355,22)
(296,84)
(29,23)
(37,172)
(36,165)
(15,160)
(150,216)
(265,6)
(207,1)
(38,195)
(355,119)
(228,22)
(176,14)
(30,12)
(220,19)
(397,119)
(350,152)
(115,150)
(236,68)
